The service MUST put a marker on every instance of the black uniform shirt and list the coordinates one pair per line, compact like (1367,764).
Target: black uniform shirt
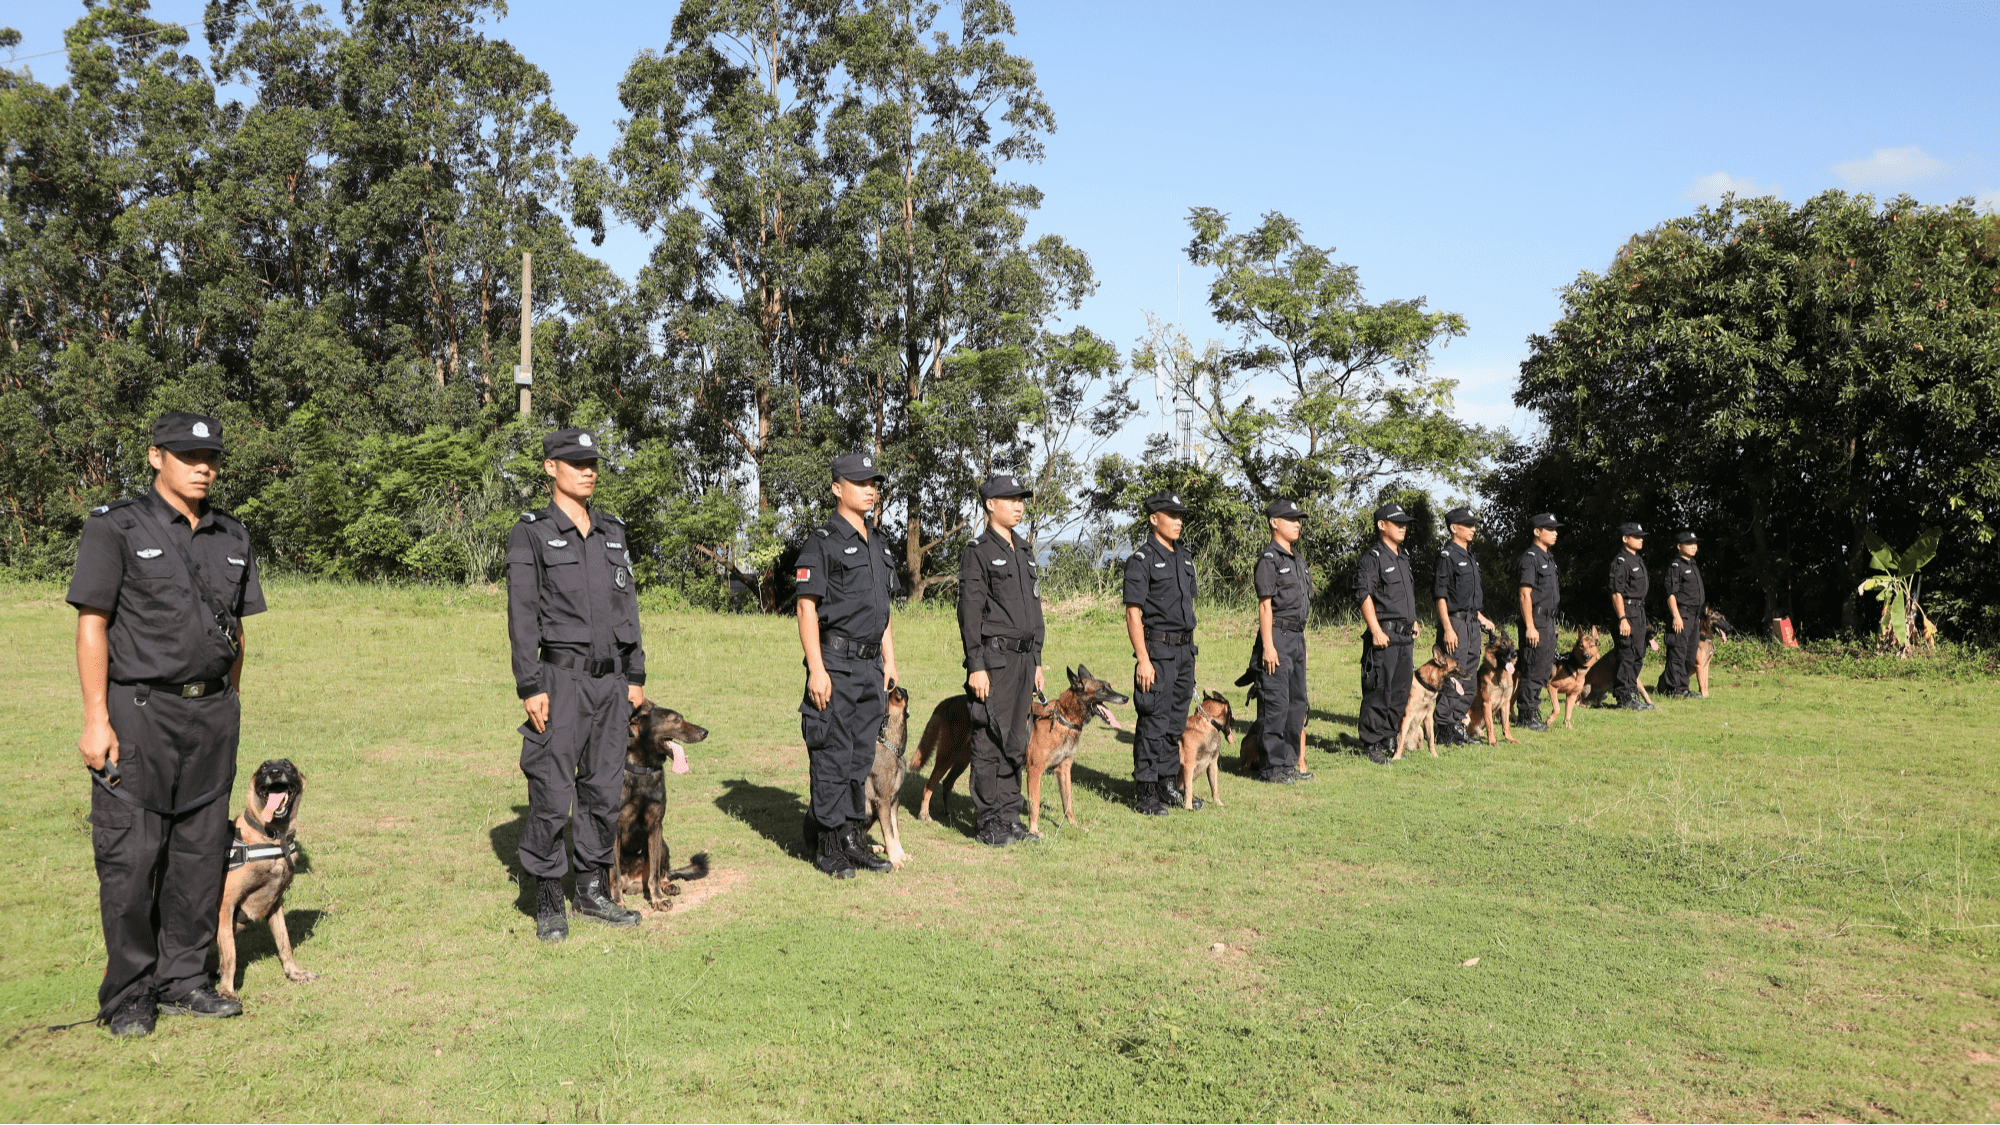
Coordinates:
(999,595)
(1283,577)
(1684,584)
(161,630)
(1628,576)
(1538,574)
(852,577)
(570,593)
(1384,575)
(1160,580)
(1457,580)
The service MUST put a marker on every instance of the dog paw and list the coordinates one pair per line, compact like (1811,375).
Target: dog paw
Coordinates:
(672,889)
(296,976)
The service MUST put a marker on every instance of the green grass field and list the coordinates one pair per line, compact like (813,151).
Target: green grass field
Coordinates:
(1780,903)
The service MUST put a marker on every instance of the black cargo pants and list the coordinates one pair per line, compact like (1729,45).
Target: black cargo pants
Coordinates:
(578,763)
(840,740)
(1681,649)
(1385,688)
(1534,666)
(1000,740)
(1454,703)
(1631,658)
(1281,698)
(1156,743)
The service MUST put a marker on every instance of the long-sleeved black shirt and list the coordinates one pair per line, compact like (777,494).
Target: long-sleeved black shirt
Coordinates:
(572,593)
(999,595)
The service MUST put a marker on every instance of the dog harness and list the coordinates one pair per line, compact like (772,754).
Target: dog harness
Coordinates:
(241,853)
(1054,711)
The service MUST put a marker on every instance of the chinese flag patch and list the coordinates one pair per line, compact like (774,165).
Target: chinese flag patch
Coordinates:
(805,573)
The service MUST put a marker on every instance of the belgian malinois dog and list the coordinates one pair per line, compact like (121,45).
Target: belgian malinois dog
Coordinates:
(1713,627)
(1496,691)
(1054,731)
(261,864)
(641,861)
(1597,686)
(1568,682)
(1420,714)
(885,779)
(1211,725)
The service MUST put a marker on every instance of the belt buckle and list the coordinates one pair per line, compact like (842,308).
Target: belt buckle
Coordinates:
(193,691)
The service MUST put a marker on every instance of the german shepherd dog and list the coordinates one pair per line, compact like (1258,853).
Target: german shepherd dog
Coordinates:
(1597,687)
(1713,627)
(641,859)
(1567,684)
(885,778)
(1420,714)
(1054,732)
(1496,691)
(261,864)
(1211,725)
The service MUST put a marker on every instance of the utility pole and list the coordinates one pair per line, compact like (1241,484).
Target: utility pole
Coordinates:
(524,378)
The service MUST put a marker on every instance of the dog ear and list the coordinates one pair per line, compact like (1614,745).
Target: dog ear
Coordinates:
(1074,674)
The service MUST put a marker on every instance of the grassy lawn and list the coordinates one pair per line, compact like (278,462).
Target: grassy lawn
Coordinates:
(1780,903)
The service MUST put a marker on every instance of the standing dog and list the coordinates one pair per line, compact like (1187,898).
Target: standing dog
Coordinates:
(641,860)
(1496,691)
(1569,683)
(1054,732)
(1420,717)
(260,869)
(1211,725)
(1597,686)
(885,778)
(1714,627)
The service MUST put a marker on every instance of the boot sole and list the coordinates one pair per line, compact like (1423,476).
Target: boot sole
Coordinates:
(176,1010)
(626,922)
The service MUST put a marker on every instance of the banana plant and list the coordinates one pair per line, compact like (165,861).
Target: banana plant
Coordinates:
(1904,622)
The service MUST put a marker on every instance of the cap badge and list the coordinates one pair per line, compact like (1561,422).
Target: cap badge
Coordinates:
(867,462)
(201,429)
(558,542)
(148,552)
(584,440)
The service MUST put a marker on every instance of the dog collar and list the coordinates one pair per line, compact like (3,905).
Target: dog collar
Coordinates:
(1213,723)
(640,771)
(1055,712)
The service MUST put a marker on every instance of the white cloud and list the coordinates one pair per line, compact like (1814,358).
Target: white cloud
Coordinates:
(1712,187)
(1890,166)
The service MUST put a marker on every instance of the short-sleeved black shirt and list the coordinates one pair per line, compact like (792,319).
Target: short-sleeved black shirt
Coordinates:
(852,577)
(1457,580)
(1684,584)
(1538,574)
(999,595)
(1284,578)
(1628,577)
(571,593)
(162,630)
(1160,580)
(1384,575)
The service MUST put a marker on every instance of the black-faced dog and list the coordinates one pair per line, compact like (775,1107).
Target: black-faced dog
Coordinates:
(260,869)
(1713,627)
(885,779)
(1053,733)
(654,741)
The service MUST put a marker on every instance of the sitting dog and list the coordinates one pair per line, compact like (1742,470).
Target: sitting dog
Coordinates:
(1568,682)
(1597,687)
(1713,627)
(641,860)
(1496,691)
(1211,725)
(1420,714)
(260,869)
(1054,732)
(885,779)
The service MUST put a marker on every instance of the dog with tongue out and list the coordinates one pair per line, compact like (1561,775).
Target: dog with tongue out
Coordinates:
(262,860)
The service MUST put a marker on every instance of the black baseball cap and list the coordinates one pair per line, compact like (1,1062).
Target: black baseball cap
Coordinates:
(570,445)
(1001,486)
(1165,502)
(1632,529)
(182,431)
(856,467)
(1687,537)
(1545,519)
(1282,509)
(1461,516)
(1394,513)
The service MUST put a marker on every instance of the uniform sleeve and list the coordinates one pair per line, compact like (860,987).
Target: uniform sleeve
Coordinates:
(1035,616)
(811,573)
(1528,569)
(251,601)
(973,591)
(1265,577)
(100,566)
(635,661)
(524,605)
(1136,577)
(1441,585)
(1367,577)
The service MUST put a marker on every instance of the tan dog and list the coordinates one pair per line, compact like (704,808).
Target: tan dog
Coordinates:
(1420,714)
(1597,686)
(640,859)
(260,869)
(1713,627)
(885,779)
(1568,683)
(1496,691)
(1211,725)
(1054,732)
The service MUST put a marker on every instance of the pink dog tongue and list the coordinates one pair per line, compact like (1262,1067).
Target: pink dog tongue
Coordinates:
(1109,717)
(680,756)
(272,802)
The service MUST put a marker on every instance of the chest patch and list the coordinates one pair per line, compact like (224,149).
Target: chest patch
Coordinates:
(999,562)
(616,546)
(558,542)
(1388,570)
(1465,564)
(1284,570)
(851,550)
(1156,566)
(234,561)
(618,577)
(148,552)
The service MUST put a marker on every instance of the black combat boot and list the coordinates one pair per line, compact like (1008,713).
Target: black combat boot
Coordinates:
(832,858)
(1532,722)
(1171,796)
(1016,831)
(1378,755)
(202,1000)
(1146,799)
(134,1018)
(854,845)
(593,900)
(551,920)
(993,834)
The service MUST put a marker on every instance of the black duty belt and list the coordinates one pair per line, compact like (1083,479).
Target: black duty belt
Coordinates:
(199,688)
(593,666)
(1465,613)
(1009,644)
(1166,638)
(848,646)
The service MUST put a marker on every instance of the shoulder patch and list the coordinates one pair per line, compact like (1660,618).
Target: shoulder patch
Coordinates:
(606,516)
(529,517)
(113,506)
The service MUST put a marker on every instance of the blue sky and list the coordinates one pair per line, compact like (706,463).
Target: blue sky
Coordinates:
(1478,155)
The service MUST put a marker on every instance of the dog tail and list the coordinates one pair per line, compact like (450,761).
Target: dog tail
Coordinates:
(697,868)
(927,747)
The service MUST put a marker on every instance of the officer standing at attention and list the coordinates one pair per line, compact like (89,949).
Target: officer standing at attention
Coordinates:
(1278,656)
(579,669)
(1000,624)
(1541,593)
(162,584)
(1461,601)
(1159,621)
(1388,597)
(1629,583)
(845,579)
(1685,598)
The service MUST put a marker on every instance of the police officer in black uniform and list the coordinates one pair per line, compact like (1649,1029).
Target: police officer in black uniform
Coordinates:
(1388,596)
(1278,656)
(1000,625)
(846,577)
(1629,581)
(1461,601)
(1541,594)
(1159,621)
(579,669)
(1685,598)
(162,584)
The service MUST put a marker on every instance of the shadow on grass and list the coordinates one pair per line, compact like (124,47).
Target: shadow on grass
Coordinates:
(776,814)
(941,802)
(506,840)
(1318,716)
(254,944)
